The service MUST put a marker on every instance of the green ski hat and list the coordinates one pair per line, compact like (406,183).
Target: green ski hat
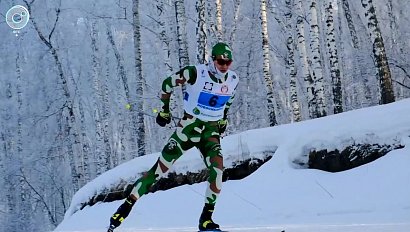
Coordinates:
(221,50)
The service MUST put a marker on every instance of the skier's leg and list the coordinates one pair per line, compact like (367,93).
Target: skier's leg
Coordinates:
(170,153)
(180,141)
(211,151)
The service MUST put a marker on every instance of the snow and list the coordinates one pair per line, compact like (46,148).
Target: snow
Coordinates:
(279,195)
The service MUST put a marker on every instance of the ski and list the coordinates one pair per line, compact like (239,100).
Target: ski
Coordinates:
(111,228)
(212,231)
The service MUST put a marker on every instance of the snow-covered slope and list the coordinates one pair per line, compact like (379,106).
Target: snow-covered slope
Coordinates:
(372,197)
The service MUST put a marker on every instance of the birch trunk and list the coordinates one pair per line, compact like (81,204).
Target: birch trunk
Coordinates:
(165,40)
(182,53)
(140,126)
(333,58)
(101,166)
(379,52)
(319,110)
(70,129)
(290,63)
(266,66)
(350,23)
(237,7)
(219,28)
(304,63)
(132,120)
(181,33)
(201,32)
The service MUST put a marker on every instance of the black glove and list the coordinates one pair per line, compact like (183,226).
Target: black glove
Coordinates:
(163,118)
(222,124)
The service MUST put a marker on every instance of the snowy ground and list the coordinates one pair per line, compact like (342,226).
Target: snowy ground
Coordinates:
(372,198)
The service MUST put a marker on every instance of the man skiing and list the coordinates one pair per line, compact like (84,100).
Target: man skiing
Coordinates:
(210,90)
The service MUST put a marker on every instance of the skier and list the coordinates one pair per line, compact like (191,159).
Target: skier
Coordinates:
(210,90)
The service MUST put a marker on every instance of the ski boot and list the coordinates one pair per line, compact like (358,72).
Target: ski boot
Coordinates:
(205,221)
(122,212)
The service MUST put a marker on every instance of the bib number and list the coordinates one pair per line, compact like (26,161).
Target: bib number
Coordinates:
(212,102)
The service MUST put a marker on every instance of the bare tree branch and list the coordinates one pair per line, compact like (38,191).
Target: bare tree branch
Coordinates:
(40,198)
(58,11)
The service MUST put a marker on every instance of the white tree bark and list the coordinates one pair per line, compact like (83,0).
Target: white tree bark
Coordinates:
(303,57)
(181,33)
(101,165)
(319,110)
(219,28)
(201,33)
(290,62)
(164,34)
(237,8)
(182,53)
(379,52)
(350,23)
(266,66)
(333,58)
(139,103)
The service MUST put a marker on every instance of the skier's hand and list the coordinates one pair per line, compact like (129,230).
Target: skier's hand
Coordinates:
(163,118)
(222,124)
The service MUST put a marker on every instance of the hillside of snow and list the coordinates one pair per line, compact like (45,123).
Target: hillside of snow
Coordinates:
(279,195)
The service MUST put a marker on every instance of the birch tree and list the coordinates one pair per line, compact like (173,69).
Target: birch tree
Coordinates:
(333,58)
(162,7)
(266,66)
(237,8)
(379,52)
(303,57)
(219,28)
(70,119)
(130,97)
(181,33)
(139,105)
(183,56)
(290,62)
(350,23)
(319,109)
(100,103)
(201,32)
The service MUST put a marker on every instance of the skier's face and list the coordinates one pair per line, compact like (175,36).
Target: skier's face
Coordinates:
(222,64)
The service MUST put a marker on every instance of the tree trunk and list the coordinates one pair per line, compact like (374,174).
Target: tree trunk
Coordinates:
(237,7)
(139,105)
(201,32)
(379,52)
(319,109)
(182,53)
(290,63)
(350,23)
(219,30)
(165,40)
(266,66)
(181,33)
(334,59)
(304,63)
(101,165)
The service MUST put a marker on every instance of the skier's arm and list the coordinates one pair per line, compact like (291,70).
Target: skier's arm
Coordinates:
(183,76)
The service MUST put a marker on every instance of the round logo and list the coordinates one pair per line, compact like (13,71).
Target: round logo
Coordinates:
(17,17)
(196,111)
